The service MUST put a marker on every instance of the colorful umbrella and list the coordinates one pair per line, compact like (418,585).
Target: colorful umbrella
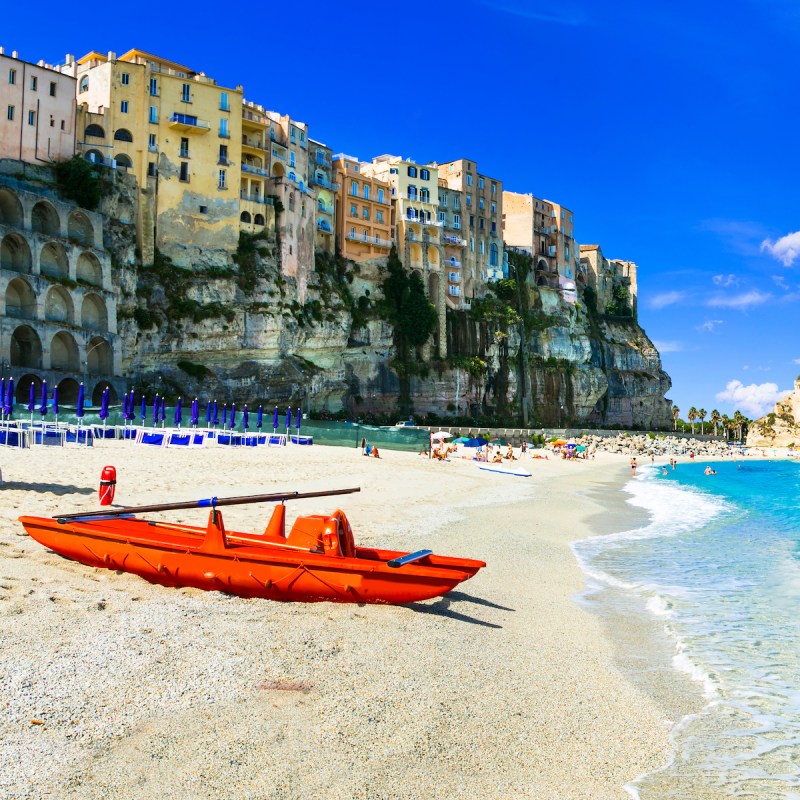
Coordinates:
(43,404)
(155,410)
(55,401)
(31,399)
(260,418)
(125,406)
(178,418)
(275,420)
(233,416)
(131,409)
(245,417)
(195,413)
(79,406)
(144,409)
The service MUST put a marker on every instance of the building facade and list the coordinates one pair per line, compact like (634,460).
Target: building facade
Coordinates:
(320,176)
(613,281)
(363,211)
(454,245)
(37,111)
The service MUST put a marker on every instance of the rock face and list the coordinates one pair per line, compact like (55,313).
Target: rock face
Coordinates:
(781,427)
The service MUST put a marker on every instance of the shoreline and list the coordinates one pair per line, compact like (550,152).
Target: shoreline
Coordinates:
(506,687)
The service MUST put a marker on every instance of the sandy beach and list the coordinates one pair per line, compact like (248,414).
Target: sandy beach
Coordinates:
(505,688)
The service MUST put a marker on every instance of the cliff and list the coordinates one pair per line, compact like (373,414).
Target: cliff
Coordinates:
(781,427)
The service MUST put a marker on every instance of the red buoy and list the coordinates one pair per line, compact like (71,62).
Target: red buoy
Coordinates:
(108,485)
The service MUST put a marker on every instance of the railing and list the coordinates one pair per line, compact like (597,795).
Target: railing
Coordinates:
(254,170)
(325,208)
(253,198)
(189,121)
(325,162)
(324,225)
(373,240)
(256,144)
(324,183)
(426,237)
(451,263)
(456,240)
(279,156)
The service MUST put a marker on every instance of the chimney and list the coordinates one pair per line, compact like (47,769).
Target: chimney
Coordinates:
(40,62)
(112,56)
(69,59)
(14,54)
(2,51)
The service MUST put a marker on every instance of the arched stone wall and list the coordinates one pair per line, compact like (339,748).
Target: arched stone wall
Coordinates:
(20,299)
(26,348)
(23,392)
(93,313)
(68,392)
(88,269)
(15,254)
(99,357)
(64,352)
(44,219)
(59,306)
(53,260)
(11,213)
(80,229)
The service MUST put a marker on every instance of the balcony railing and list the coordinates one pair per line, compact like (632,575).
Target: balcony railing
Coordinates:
(253,198)
(324,183)
(376,241)
(254,170)
(256,144)
(451,263)
(279,156)
(325,208)
(456,240)
(324,225)
(187,122)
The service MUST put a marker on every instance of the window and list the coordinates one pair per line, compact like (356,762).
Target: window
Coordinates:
(293,134)
(480,223)
(10,113)
(393,170)
(204,209)
(303,208)
(151,169)
(482,247)
(221,184)
(471,221)
(494,227)
(52,122)
(354,189)
(34,83)
(366,192)
(471,245)
(456,201)
(153,87)
(380,195)
(52,88)
(223,102)
(302,137)
(443,199)
(412,192)
(184,148)
(31,118)
(469,200)
(352,233)
(292,159)
(379,216)
(223,154)
(425,196)
(151,142)
(12,76)
(184,176)
(291,202)
(83,86)
(493,255)
(412,172)
(355,168)
(126,79)
(424,175)
(469,180)
(353,210)
(480,203)
(566,253)
(123,106)
(186,93)
(365,213)
(494,207)
(494,189)
(456,221)
(480,183)
(442,217)
(223,127)
(153,114)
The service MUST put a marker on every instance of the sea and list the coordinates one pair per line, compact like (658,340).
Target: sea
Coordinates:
(718,565)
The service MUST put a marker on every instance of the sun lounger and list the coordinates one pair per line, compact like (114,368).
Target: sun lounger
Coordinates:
(276,439)
(74,434)
(12,436)
(152,437)
(302,439)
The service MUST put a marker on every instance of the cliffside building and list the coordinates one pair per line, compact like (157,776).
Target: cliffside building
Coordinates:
(363,211)
(613,281)
(320,176)
(37,111)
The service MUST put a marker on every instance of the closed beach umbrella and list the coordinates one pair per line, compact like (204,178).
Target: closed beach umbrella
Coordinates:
(104,405)
(216,414)
(55,401)
(245,417)
(288,418)
(155,410)
(275,419)
(195,413)
(178,418)
(260,418)
(3,396)
(298,419)
(31,399)
(225,415)
(9,405)
(144,409)
(208,414)
(131,408)
(43,403)
(233,416)
(125,406)
(79,407)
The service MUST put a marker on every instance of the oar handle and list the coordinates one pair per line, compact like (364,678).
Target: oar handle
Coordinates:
(212,502)
(408,559)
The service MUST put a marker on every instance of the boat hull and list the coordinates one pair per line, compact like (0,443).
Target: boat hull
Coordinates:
(247,565)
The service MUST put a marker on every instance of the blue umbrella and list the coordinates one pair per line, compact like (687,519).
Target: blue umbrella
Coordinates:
(245,417)
(55,401)
(233,416)
(31,399)
(2,396)
(297,420)
(43,405)
(275,420)
(163,410)
(131,410)
(125,406)
(260,418)
(104,406)
(178,418)
(208,414)
(216,415)
(195,413)
(9,406)
(144,409)
(155,411)
(225,415)
(79,407)
(288,418)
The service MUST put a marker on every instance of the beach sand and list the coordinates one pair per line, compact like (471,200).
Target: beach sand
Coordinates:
(505,688)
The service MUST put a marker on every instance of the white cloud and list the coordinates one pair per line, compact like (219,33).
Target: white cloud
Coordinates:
(781,282)
(754,400)
(709,325)
(725,280)
(665,299)
(743,300)
(668,347)
(786,249)
(796,361)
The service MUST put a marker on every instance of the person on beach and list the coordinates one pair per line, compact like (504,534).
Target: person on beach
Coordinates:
(367,449)
(633,466)
(375,453)
(363,446)
(510,454)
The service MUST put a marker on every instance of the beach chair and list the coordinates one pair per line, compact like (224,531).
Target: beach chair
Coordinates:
(78,435)
(179,438)
(47,434)
(152,437)
(13,436)
(276,439)
(199,438)
(305,440)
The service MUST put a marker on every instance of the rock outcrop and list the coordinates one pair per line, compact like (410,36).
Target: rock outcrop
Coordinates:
(781,427)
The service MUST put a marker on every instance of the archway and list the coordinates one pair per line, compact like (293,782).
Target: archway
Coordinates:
(99,357)
(58,306)
(64,352)
(15,255)
(68,392)
(278,170)
(245,217)
(97,394)
(44,219)
(24,389)
(26,348)
(89,270)
(433,257)
(94,130)
(93,313)
(123,135)
(80,229)
(20,299)
(416,255)
(123,161)
(259,219)
(94,156)
(53,261)
(10,209)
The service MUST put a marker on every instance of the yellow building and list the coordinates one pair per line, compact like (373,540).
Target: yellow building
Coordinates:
(320,176)
(363,211)
(253,199)
(179,133)
(450,214)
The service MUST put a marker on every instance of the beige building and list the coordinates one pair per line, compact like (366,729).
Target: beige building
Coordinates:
(607,276)
(454,245)
(320,176)
(255,207)
(481,218)
(363,211)
(37,111)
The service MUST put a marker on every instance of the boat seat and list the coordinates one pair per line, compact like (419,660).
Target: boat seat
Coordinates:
(307,531)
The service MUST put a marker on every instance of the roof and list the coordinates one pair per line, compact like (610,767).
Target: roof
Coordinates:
(92,56)
(590,247)
(131,54)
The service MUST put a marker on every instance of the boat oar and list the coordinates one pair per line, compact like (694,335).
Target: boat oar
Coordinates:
(211,502)
(408,559)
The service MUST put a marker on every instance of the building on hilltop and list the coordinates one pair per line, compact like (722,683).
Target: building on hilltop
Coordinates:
(479,218)
(320,169)
(255,207)
(37,111)
(363,211)
(612,280)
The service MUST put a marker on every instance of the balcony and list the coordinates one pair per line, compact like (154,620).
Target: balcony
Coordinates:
(279,156)
(185,122)
(254,144)
(278,137)
(375,241)
(324,225)
(453,277)
(254,117)
(454,291)
(324,183)
(448,238)
(253,198)
(551,251)
(254,170)
(325,208)
(428,239)
(452,263)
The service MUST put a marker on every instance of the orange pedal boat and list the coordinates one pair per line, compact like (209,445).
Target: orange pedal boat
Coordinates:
(318,560)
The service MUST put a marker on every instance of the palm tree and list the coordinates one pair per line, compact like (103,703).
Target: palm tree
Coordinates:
(692,416)
(715,420)
(739,420)
(676,412)
(702,414)
(726,426)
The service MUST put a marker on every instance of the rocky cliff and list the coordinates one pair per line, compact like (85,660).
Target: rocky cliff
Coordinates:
(781,427)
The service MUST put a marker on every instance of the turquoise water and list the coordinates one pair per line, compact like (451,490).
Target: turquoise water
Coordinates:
(719,563)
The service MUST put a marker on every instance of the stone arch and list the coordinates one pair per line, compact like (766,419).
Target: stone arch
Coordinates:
(26,348)
(20,299)
(541,280)
(58,306)
(10,209)
(97,393)
(94,156)
(259,219)
(433,288)
(416,255)
(93,313)
(15,254)
(89,269)
(433,257)
(278,170)
(123,161)
(68,392)
(123,135)
(44,219)
(94,130)
(53,261)
(64,352)
(245,217)
(80,229)
(24,389)
(99,357)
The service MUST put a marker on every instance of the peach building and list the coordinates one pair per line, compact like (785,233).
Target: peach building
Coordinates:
(37,111)
(320,176)
(363,211)
(604,275)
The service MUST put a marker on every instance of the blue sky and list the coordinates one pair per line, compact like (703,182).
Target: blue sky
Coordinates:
(668,128)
